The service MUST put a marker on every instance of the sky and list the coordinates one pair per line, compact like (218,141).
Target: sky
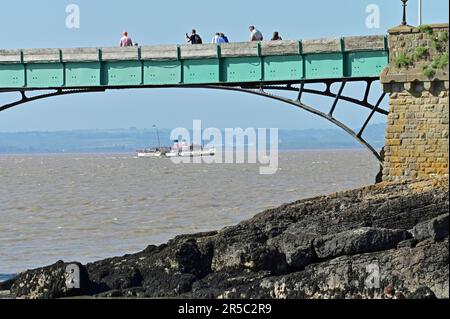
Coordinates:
(42,24)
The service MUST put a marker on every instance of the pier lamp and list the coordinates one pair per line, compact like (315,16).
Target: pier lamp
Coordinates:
(405,3)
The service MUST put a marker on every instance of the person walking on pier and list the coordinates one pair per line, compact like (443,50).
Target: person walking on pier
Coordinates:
(225,38)
(255,35)
(218,38)
(276,37)
(126,41)
(194,38)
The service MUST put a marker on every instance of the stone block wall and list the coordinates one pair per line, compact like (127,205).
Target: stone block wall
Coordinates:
(418,124)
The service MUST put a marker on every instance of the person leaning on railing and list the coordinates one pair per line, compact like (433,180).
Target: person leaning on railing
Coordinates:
(255,35)
(224,37)
(219,38)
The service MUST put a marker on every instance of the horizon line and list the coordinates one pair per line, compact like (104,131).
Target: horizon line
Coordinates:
(132,128)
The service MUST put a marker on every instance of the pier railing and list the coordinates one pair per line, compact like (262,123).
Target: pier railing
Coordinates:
(165,65)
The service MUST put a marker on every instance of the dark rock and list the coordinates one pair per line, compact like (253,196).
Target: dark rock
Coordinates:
(159,283)
(296,246)
(228,285)
(6,285)
(113,274)
(350,276)
(276,253)
(436,229)
(167,270)
(422,293)
(192,260)
(54,281)
(358,241)
(244,247)
(409,243)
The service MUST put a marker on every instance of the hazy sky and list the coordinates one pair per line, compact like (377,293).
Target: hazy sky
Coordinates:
(28,24)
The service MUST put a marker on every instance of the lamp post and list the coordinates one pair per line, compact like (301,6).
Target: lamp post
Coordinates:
(420,12)
(405,3)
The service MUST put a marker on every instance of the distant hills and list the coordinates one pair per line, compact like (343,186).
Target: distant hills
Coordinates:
(128,140)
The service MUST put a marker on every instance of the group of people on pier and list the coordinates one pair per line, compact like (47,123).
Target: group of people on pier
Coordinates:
(219,37)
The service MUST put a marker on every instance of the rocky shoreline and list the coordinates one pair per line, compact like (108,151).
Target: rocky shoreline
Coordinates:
(351,244)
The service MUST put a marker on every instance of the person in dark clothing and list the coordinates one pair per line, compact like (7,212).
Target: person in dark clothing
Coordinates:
(194,38)
(276,37)
(225,38)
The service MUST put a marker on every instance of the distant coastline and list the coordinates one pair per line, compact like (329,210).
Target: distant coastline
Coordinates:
(117,141)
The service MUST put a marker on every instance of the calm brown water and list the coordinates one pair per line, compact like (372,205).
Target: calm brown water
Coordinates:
(88,207)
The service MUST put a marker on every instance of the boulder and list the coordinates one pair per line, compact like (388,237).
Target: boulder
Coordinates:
(409,243)
(357,241)
(422,293)
(165,270)
(6,285)
(355,277)
(244,247)
(339,246)
(55,281)
(296,246)
(436,228)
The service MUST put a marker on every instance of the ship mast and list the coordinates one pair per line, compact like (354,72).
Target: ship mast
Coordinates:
(157,135)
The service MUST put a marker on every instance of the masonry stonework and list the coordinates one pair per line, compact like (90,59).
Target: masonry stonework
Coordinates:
(418,123)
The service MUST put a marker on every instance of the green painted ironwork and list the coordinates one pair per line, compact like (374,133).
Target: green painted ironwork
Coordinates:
(162,72)
(122,73)
(83,74)
(201,71)
(324,65)
(45,75)
(246,69)
(252,67)
(12,75)
(365,64)
(282,68)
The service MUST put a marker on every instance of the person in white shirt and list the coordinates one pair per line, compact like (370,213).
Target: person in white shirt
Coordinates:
(255,35)
(216,38)
(219,38)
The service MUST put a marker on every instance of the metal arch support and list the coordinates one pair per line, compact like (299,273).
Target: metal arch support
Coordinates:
(312,110)
(26,99)
(337,98)
(375,108)
(261,91)
(361,131)
(328,93)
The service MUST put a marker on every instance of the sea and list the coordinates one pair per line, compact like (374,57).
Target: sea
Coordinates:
(88,207)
